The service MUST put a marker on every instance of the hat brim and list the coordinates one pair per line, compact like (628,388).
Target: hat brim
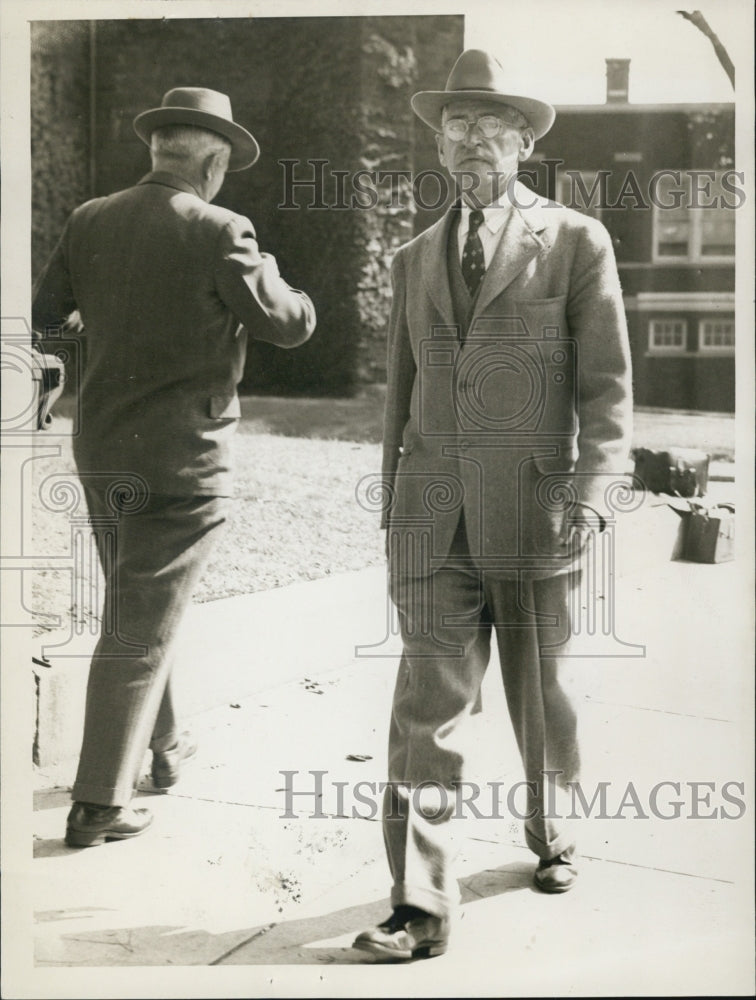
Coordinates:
(429,104)
(244,147)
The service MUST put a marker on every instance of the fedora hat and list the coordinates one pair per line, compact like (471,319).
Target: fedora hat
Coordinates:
(207,109)
(476,75)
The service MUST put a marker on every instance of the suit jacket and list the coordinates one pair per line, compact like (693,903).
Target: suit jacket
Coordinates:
(517,419)
(162,281)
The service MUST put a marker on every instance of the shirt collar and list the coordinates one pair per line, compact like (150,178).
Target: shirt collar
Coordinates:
(169,180)
(494,215)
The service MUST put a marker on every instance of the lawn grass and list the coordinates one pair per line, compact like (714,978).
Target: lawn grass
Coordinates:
(295,515)
(361,419)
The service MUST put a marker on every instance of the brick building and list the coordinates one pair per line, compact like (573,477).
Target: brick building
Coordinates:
(662,179)
(328,99)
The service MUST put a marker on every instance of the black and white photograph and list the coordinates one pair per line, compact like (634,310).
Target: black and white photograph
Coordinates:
(377,499)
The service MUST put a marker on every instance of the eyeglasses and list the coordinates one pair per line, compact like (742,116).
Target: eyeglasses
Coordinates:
(488,125)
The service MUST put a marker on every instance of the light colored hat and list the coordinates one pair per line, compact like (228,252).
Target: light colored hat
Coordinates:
(476,75)
(207,109)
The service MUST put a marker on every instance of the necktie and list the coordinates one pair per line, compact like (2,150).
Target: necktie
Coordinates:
(473,262)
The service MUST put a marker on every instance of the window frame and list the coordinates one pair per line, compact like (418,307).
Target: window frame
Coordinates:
(695,219)
(722,350)
(674,350)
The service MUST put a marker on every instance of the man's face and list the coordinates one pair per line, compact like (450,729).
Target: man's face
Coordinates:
(483,166)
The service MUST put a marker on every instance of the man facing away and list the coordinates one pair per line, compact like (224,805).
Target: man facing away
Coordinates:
(507,415)
(168,287)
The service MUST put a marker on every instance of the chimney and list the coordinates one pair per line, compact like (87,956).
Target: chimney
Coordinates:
(617,80)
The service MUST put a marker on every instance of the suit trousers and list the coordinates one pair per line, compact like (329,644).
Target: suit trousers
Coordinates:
(152,554)
(447,620)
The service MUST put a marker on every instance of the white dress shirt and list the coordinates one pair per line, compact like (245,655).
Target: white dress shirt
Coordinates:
(494,217)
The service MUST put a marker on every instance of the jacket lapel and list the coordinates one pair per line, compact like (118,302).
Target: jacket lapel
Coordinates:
(520,242)
(434,269)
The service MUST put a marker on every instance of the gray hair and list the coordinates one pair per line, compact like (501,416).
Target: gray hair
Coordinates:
(187,142)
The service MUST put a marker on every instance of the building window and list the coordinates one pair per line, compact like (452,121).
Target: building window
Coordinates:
(583,190)
(667,336)
(716,336)
(691,220)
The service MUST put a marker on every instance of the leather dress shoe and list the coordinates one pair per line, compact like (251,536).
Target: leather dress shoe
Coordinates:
(557,874)
(89,825)
(408,933)
(166,764)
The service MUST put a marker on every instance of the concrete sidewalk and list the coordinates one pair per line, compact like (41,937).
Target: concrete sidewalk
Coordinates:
(647,535)
(269,859)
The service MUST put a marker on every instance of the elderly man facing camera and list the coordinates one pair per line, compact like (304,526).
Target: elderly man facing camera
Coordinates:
(168,287)
(507,414)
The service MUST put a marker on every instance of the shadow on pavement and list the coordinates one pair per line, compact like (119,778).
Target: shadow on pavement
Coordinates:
(309,941)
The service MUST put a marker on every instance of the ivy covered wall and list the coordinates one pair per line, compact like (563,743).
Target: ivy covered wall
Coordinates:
(328,101)
(60,129)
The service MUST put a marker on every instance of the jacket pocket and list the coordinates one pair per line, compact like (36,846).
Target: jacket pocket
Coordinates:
(542,318)
(548,495)
(224,407)
(556,301)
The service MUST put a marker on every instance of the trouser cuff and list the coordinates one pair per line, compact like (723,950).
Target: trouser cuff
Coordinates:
(159,744)
(101,795)
(546,851)
(430,900)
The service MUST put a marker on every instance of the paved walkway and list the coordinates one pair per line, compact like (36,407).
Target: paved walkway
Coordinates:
(267,858)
